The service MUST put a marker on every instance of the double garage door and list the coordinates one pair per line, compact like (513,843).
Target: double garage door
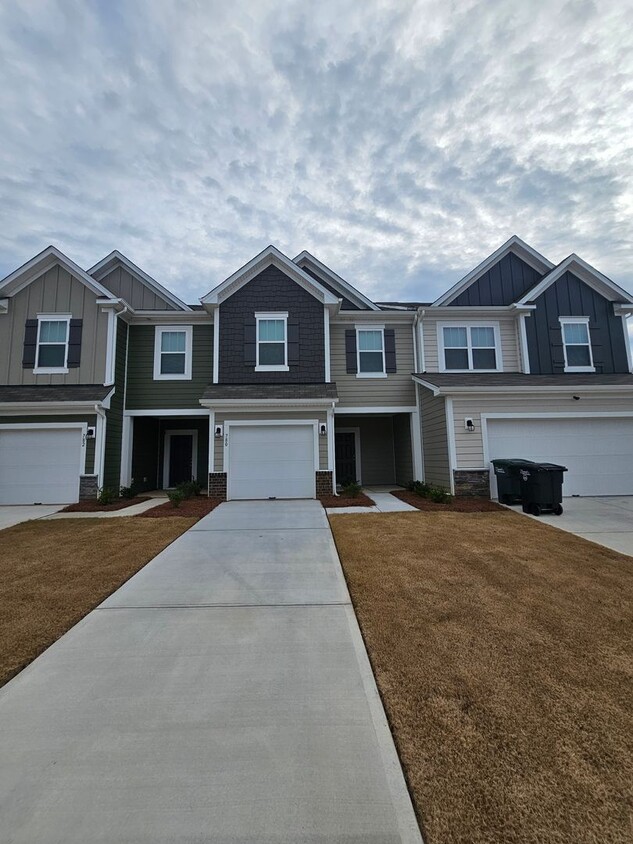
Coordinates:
(598,451)
(271,461)
(40,465)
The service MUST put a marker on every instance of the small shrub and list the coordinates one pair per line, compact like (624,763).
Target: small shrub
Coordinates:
(352,489)
(190,489)
(420,488)
(128,491)
(176,496)
(440,496)
(107,495)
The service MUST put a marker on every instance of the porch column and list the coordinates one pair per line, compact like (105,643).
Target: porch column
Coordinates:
(127,438)
(416,446)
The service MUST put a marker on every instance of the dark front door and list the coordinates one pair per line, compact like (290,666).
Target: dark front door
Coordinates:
(180,459)
(345,454)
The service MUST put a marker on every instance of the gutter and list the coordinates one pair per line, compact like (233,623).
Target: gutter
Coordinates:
(538,389)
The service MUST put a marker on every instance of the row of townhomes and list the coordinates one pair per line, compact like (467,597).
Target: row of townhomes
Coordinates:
(285,380)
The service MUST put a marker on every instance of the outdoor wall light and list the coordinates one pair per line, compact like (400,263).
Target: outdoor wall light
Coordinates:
(218,431)
(322,429)
(469,424)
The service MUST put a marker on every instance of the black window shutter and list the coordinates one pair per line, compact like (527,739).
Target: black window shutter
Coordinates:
(293,342)
(74,343)
(30,344)
(350,350)
(250,343)
(390,350)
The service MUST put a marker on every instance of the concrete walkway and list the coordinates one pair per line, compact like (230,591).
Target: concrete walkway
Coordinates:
(223,694)
(383,500)
(132,510)
(14,514)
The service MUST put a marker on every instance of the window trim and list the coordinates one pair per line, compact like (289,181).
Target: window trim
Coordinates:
(378,373)
(271,367)
(468,324)
(570,320)
(52,370)
(159,330)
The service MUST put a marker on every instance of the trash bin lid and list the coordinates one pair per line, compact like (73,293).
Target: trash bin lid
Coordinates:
(511,461)
(550,467)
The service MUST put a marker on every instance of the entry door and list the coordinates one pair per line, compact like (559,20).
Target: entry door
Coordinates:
(180,459)
(345,455)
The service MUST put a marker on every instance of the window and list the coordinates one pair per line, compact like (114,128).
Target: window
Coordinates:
(272,342)
(172,353)
(577,344)
(52,344)
(469,347)
(370,345)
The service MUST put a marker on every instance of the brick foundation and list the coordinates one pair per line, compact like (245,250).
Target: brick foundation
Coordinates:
(217,485)
(323,483)
(88,487)
(472,483)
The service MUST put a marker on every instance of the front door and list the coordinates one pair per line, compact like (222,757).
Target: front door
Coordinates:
(180,459)
(345,455)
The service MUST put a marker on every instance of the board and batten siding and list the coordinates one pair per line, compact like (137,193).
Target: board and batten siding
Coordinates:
(469,447)
(396,390)
(508,332)
(144,393)
(434,439)
(56,291)
(136,293)
(222,416)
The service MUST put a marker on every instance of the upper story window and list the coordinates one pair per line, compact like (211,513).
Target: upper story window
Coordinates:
(52,344)
(465,348)
(272,342)
(577,344)
(173,352)
(370,348)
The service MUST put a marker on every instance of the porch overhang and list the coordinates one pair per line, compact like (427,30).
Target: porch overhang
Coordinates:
(259,396)
(75,398)
(447,384)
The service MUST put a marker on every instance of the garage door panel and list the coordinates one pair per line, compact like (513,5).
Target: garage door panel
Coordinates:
(40,465)
(598,451)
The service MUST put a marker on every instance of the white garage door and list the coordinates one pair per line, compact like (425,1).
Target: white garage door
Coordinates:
(271,461)
(40,466)
(597,451)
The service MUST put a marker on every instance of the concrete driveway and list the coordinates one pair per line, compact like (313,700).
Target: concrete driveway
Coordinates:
(13,514)
(605,520)
(223,694)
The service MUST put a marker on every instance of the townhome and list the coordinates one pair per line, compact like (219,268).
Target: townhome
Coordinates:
(285,381)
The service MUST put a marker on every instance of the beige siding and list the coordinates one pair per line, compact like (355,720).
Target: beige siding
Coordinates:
(377,464)
(508,332)
(135,292)
(221,416)
(434,439)
(56,291)
(469,447)
(396,390)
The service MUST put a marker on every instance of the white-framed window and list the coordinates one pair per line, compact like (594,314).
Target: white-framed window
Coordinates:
(370,351)
(272,342)
(469,347)
(51,355)
(577,344)
(173,352)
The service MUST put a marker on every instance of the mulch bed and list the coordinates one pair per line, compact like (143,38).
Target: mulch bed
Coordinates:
(457,505)
(360,500)
(190,508)
(93,506)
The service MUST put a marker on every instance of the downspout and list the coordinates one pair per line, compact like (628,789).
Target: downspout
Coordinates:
(332,448)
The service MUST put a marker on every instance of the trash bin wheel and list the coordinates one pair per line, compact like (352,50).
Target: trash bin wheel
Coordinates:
(558,510)
(535,509)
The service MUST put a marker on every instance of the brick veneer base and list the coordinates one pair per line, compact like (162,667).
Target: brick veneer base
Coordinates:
(472,484)
(88,487)
(323,483)
(217,485)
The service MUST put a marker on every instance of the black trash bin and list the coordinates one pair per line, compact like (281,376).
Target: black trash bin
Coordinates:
(542,488)
(509,480)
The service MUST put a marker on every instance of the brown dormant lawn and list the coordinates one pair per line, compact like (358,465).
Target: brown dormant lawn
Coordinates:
(503,652)
(54,572)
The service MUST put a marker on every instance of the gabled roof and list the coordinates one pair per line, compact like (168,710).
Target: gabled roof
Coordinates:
(585,272)
(520,248)
(320,269)
(42,262)
(267,257)
(107,264)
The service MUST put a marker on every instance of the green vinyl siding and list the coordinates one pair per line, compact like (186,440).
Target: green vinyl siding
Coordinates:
(114,416)
(90,421)
(143,393)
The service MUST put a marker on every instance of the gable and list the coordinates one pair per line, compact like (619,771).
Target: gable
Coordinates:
(352,299)
(47,259)
(122,284)
(504,283)
(346,305)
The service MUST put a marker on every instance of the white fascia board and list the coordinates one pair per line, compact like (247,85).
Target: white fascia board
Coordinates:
(259,404)
(514,244)
(382,410)
(48,407)
(268,256)
(107,264)
(586,273)
(538,389)
(333,278)
(161,317)
(42,262)
(475,311)
(381,316)
(4,306)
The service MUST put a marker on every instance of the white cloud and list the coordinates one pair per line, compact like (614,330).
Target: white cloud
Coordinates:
(401,143)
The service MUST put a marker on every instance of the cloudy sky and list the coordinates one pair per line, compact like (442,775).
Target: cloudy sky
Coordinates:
(400,142)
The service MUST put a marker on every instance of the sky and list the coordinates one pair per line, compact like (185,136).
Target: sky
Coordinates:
(399,142)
